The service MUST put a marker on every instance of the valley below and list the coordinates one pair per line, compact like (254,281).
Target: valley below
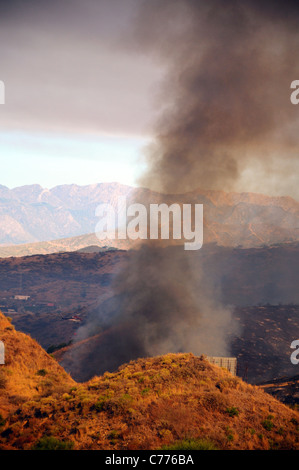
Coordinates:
(81,371)
(53,297)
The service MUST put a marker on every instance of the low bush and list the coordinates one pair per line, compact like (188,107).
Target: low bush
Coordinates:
(191,444)
(232,411)
(268,424)
(51,443)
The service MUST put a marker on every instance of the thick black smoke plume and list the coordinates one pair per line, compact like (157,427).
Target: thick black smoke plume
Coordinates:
(225,105)
(162,302)
(227,116)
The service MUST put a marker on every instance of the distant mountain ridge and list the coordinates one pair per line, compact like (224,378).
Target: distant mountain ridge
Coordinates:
(32,214)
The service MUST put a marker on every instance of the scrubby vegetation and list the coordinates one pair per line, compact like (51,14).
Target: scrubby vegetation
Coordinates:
(175,401)
(191,444)
(232,411)
(51,443)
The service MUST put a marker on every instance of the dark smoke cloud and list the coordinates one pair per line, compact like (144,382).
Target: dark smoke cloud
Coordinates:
(226,96)
(162,302)
(225,103)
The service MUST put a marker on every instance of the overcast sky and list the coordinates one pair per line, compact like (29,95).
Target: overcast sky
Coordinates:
(79,100)
(83,99)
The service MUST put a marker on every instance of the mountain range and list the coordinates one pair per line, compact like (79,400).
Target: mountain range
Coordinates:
(38,220)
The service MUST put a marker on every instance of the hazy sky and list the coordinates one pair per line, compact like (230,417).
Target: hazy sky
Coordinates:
(79,103)
(84,95)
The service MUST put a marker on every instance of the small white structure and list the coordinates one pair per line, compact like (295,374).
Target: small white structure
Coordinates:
(2,353)
(229,363)
(22,297)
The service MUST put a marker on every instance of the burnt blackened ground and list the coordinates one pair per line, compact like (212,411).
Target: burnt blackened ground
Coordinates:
(66,289)
(263,344)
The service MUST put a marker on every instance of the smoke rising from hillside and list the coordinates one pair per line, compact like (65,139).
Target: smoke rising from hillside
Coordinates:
(227,120)
(162,302)
(225,102)
(225,105)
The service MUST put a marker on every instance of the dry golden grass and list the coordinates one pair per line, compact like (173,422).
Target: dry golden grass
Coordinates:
(146,404)
(29,372)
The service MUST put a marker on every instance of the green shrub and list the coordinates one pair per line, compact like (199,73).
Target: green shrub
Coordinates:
(191,444)
(233,411)
(114,434)
(124,401)
(267,424)
(51,443)
(100,404)
(42,372)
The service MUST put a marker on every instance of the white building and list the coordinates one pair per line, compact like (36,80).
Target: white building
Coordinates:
(229,363)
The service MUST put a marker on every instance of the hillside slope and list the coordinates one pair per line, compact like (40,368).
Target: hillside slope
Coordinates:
(82,285)
(146,404)
(29,372)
